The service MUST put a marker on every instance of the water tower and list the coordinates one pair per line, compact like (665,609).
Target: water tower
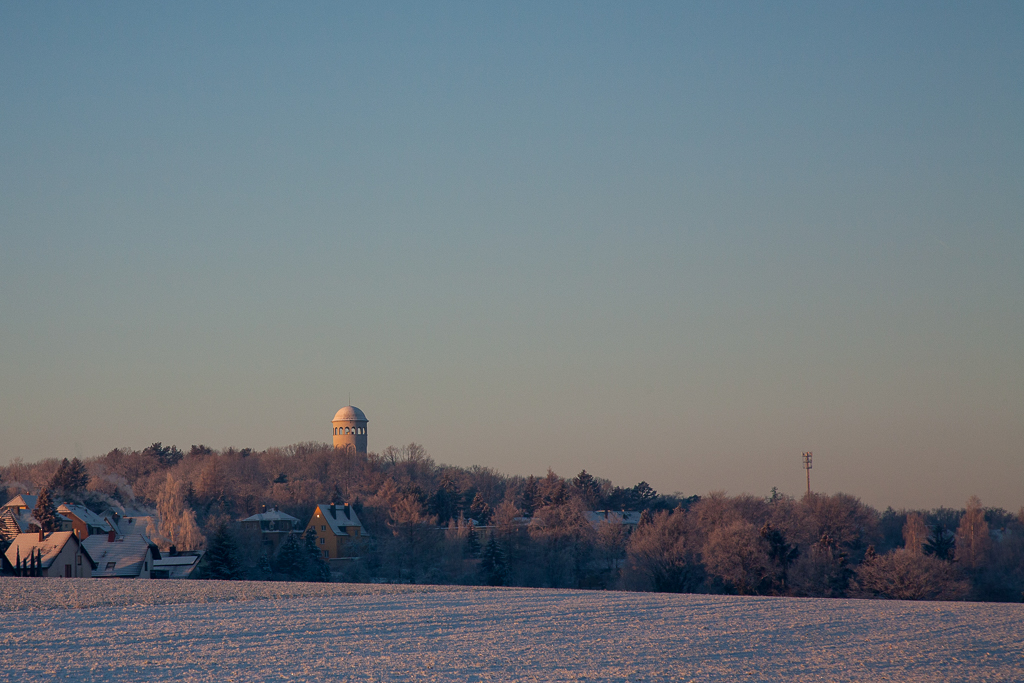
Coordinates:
(350,429)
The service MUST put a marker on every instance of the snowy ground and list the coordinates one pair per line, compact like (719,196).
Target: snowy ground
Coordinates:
(132,630)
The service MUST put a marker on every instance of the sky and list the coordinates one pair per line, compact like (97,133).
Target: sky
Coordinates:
(673,242)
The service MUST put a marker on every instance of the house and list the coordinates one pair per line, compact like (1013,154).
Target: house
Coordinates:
(624,518)
(16,516)
(130,556)
(274,527)
(13,521)
(84,522)
(57,554)
(336,528)
(22,501)
(176,565)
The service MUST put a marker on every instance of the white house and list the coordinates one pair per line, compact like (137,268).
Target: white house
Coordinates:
(57,554)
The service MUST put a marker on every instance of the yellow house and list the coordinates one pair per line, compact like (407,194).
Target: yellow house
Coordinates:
(336,527)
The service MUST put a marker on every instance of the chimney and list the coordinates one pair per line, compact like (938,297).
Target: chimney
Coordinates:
(172,551)
(606,514)
(42,535)
(334,511)
(348,513)
(111,536)
(263,509)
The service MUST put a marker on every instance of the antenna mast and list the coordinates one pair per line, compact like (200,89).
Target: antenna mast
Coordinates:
(807,466)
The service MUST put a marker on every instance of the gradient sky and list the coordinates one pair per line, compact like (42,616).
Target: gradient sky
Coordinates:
(673,242)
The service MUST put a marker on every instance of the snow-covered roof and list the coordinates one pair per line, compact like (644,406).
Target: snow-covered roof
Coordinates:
(25,544)
(122,557)
(271,516)
(339,522)
(627,518)
(350,414)
(178,566)
(23,500)
(85,514)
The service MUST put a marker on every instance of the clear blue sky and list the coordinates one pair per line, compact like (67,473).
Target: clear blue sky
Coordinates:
(673,242)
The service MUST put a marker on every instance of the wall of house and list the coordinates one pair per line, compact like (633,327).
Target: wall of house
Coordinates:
(80,528)
(70,554)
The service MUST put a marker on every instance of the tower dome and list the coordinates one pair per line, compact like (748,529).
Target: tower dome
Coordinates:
(350,413)
(349,425)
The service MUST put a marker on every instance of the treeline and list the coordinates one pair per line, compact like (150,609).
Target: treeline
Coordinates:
(433,523)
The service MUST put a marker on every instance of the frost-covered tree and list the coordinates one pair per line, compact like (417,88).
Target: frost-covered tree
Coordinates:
(661,556)
(738,556)
(973,542)
(915,533)
(906,575)
(177,520)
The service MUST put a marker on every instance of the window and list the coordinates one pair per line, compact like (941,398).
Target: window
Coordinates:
(323,527)
(323,541)
(67,571)
(145,566)
(110,565)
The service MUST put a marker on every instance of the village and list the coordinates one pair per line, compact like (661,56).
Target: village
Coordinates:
(119,543)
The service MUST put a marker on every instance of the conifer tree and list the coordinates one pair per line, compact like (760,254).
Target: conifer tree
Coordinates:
(46,513)
(223,556)
(941,544)
(70,477)
(472,543)
(645,519)
(479,509)
(264,567)
(60,479)
(588,489)
(79,475)
(291,559)
(316,569)
(494,564)
(529,496)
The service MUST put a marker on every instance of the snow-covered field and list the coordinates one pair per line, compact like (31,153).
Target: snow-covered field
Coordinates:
(132,630)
